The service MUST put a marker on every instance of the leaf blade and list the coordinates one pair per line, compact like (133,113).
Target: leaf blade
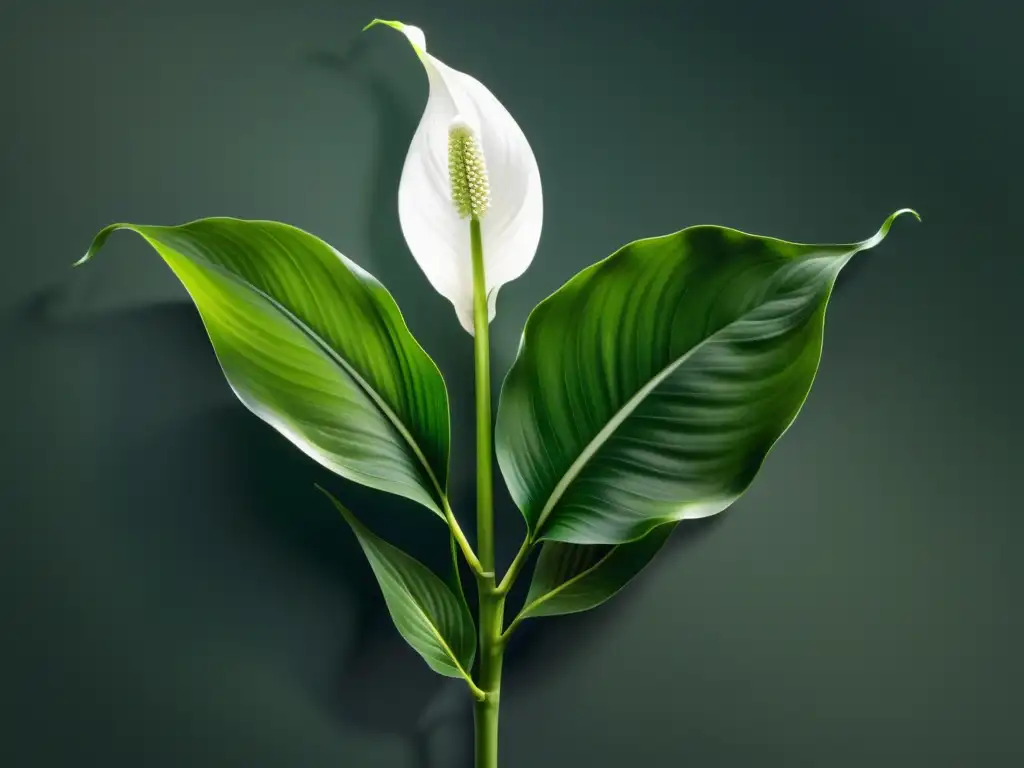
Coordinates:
(571,578)
(316,347)
(651,386)
(431,618)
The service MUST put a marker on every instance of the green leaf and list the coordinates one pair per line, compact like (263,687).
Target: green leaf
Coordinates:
(570,578)
(652,385)
(316,347)
(431,618)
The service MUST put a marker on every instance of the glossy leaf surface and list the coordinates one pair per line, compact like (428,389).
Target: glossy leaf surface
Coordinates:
(651,386)
(431,618)
(570,578)
(316,347)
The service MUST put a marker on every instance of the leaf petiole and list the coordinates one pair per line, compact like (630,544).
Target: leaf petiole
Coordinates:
(511,628)
(517,565)
(460,537)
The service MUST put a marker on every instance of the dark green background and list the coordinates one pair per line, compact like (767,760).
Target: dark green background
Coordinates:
(174,593)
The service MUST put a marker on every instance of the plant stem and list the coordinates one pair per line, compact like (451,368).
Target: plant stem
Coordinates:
(481,344)
(492,604)
(492,650)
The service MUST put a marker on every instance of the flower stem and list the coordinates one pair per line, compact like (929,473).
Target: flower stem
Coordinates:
(492,604)
(481,344)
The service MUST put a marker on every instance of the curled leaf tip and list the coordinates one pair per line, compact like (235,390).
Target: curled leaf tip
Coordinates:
(876,238)
(896,215)
(97,243)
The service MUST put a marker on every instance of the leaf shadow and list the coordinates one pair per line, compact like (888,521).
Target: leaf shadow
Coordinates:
(540,645)
(249,491)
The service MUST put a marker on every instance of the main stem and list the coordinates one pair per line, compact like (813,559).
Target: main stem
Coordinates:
(481,348)
(492,604)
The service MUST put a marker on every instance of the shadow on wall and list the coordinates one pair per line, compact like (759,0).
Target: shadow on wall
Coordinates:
(209,526)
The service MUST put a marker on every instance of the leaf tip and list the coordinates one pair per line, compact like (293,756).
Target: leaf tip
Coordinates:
(345,512)
(879,236)
(901,211)
(97,243)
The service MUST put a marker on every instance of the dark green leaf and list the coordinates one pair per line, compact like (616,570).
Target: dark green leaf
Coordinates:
(570,578)
(651,386)
(431,618)
(316,347)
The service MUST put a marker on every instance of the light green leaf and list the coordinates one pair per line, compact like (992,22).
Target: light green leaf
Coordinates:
(651,386)
(570,578)
(431,618)
(316,347)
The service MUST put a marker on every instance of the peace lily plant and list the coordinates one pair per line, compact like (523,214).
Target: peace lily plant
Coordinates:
(647,390)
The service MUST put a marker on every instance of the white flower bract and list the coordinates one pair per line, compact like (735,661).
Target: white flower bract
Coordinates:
(468,157)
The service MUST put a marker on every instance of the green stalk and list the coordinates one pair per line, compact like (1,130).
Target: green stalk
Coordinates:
(492,604)
(485,710)
(481,344)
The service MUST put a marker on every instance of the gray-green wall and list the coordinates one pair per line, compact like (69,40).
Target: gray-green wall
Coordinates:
(174,593)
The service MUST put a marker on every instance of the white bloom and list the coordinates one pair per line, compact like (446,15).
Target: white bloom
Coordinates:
(464,120)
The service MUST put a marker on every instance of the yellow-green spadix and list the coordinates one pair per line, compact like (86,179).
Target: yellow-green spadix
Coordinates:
(469,159)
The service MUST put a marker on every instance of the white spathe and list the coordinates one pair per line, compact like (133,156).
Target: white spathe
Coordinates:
(436,234)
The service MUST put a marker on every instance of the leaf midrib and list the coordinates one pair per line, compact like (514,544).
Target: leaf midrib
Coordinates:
(335,357)
(567,583)
(624,412)
(366,539)
(436,632)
